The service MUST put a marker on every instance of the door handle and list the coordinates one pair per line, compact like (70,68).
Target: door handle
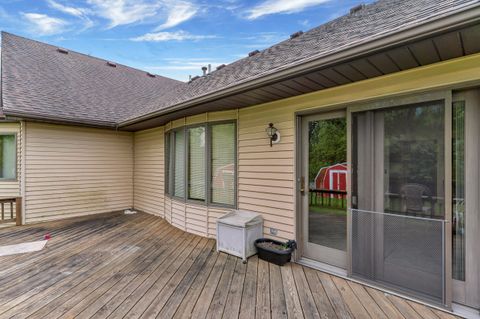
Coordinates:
(302,185)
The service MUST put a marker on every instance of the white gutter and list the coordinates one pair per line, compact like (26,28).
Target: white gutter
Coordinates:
(463,16)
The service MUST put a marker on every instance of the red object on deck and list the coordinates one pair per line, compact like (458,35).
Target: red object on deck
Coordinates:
(47,236)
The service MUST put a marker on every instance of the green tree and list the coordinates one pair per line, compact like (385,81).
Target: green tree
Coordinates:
(327,144)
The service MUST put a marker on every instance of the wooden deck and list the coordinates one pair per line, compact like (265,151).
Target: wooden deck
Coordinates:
(139,266)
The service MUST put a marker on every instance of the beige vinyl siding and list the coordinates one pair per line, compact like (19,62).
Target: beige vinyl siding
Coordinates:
(12,188)
(149,171)
(266,174)
(194,218)
(75,171)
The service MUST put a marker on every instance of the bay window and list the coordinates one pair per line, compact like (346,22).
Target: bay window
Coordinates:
(200,163)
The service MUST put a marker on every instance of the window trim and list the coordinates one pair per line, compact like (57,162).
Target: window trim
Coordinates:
(14,179)
(169,189)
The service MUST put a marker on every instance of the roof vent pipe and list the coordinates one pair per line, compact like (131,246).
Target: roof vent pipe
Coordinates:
(209,68)
(357,8)
(253,53)
(204,69)
(296,34)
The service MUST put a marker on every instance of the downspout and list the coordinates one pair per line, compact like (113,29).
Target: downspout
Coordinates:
(133,168)
(23,162)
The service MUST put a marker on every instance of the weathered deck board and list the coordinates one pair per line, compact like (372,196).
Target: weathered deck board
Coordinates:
(139,266)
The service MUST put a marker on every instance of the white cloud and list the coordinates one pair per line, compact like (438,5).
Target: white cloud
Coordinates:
(171,36)
(186,65)
(281,6)
(264,40)
(81,13)
(44,24)
(178,12)
(77,12)
(305,23)
(124,12)
(181,68)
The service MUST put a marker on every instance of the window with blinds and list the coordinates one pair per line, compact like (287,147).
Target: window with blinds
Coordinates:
(196,163)
(8,156)
(200,163)
(223,164)
(179,163)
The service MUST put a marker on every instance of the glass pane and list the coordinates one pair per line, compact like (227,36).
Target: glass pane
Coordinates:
(8,156)
(179,163)
(458,188)
(327,220)
(223,164)
(168,170)
(414,160)
(196,163)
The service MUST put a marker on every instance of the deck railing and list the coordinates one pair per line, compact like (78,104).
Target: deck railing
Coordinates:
(11,210)
(328,198)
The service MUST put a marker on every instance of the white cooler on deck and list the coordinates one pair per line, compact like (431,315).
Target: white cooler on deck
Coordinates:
(237,232)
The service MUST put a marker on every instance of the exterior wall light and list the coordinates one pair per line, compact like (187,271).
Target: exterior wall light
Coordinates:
(273,134)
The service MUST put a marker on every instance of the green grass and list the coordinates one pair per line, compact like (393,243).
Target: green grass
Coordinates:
(328,210)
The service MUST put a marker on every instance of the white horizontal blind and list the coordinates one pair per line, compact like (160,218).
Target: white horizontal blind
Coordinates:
(8,156)
(179,163)
(168,161)
(196,163)
(223,164)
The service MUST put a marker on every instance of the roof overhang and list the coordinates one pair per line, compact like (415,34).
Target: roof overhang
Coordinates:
(17,116)
(444,37)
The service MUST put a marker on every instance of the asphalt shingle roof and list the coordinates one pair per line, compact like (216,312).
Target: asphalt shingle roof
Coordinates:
(38,80)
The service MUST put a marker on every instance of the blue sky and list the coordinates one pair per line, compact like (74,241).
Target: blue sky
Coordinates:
(167,37)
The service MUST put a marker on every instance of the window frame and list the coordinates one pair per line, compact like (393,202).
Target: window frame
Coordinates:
(169,150)
(15,178)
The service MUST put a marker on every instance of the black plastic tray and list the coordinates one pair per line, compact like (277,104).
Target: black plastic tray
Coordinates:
(277,257)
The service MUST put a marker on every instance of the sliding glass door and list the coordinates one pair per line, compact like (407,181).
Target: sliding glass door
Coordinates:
(410,169)
(398,198)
